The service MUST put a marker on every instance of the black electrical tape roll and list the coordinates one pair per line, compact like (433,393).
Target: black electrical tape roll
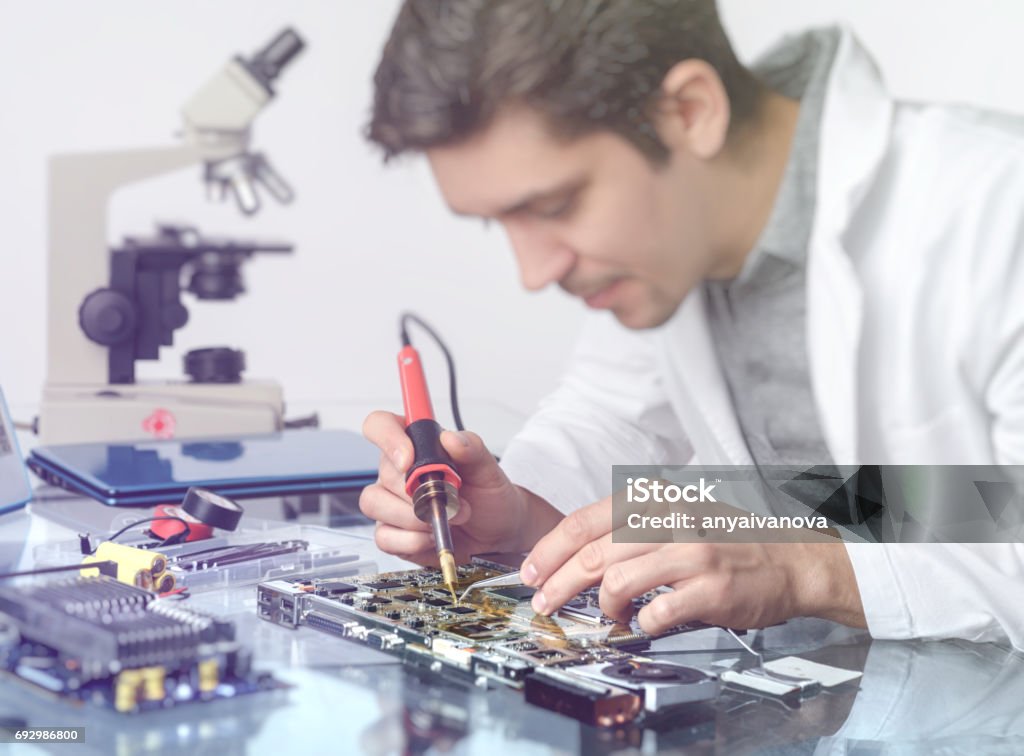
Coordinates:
(212,509)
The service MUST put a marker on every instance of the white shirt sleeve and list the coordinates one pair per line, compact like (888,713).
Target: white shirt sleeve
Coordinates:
(611,408)
(973,591)
(967,590)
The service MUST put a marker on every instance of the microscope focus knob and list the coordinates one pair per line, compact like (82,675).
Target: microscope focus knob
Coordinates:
(107,317)
(215,365)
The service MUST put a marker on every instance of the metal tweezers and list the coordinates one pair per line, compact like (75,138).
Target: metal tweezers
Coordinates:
(762,671)
(509,578)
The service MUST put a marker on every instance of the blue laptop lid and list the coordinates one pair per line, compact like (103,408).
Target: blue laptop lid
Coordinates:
(15,488)
(139,467)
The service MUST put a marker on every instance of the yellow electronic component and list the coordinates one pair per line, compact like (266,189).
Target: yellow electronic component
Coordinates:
(126,690)
(134,566)
(153,683)
(209,675)
(144,579)
(164,584)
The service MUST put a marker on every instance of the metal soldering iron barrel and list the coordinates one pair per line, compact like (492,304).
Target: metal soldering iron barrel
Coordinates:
(433,500)
(432,492)
(439,524)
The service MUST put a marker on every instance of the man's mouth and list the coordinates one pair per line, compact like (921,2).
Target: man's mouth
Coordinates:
(602,297)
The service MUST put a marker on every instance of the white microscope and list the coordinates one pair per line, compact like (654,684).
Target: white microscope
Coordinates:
(108,308)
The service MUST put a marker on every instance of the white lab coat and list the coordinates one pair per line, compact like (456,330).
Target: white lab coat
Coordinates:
(915,338)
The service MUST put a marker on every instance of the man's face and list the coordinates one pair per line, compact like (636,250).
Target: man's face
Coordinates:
(593,214)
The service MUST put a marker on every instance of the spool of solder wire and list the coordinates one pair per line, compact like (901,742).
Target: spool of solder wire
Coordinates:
(212,509)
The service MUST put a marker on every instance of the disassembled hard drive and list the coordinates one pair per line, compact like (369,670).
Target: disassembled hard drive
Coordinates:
(577,662)
(116,645)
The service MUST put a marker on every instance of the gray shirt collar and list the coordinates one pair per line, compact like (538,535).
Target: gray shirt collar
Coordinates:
(798,67)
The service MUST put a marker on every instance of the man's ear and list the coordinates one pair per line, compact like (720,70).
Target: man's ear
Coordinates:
(693,112)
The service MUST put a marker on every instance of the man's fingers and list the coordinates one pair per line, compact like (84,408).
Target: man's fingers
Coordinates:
(584,569)
(462,516)
(473,460)
(687,603)
(626,580)
(382,505)
(403,543)
(565,539)
(387,431)
(391,477)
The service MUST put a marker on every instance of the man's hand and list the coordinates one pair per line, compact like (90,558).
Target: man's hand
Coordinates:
(741,585)
(494,515)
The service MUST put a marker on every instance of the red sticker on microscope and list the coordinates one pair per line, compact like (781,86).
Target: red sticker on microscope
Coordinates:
(160,424)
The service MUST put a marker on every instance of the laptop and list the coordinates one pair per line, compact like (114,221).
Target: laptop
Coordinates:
(145,473)
(15,487)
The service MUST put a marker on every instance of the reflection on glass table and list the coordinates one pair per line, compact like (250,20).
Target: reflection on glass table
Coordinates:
(914,697)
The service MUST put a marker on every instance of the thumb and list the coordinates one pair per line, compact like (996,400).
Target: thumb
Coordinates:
(475,463)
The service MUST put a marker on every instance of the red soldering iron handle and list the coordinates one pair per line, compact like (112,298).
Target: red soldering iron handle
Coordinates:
(415,396)
(420,425)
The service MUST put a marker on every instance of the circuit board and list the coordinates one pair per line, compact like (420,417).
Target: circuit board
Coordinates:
(577,661)
(96,640)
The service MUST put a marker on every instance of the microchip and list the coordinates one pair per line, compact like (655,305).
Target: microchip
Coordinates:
(461,610)
(515,592)
(472,629)
(500,561)
(378,600)
(552,656)
(436,602)
(407,597)
(338,588)
(381,585)
(591,615)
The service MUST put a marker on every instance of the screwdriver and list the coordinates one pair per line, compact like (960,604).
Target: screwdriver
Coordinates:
(431,481)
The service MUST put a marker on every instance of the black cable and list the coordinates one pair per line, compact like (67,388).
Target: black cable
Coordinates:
(106,567)
(176,538)
(407,317)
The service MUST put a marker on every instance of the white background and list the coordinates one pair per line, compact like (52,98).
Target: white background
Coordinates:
(371,241)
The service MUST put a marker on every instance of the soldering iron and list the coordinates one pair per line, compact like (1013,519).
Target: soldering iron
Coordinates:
(431,481)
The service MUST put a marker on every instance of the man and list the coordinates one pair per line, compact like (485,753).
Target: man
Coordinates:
(806,271)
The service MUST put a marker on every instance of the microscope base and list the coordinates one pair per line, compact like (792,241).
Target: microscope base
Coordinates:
(130,412)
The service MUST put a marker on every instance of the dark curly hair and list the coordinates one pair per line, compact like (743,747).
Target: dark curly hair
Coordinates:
(585,64)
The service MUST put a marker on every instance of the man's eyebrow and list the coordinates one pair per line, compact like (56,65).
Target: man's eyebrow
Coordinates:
(566,187)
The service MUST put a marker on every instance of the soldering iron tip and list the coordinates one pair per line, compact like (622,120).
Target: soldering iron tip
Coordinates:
(451,576)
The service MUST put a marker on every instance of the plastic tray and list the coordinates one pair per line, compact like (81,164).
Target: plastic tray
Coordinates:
(328,551)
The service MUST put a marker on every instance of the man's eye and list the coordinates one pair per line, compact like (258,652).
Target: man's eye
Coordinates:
(555,210)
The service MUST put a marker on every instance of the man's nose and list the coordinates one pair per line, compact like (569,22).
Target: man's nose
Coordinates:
(542,259)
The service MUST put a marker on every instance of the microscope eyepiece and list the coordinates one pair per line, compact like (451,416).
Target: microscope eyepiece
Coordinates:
(268,62)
